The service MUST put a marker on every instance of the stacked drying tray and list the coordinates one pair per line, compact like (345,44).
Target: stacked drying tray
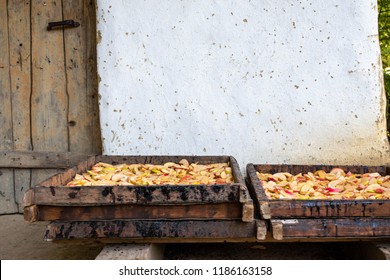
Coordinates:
(146,210)
(340,202)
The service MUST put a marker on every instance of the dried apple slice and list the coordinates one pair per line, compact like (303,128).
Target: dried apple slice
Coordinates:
(337,184)
(184,162)
(279,176)
(150,174)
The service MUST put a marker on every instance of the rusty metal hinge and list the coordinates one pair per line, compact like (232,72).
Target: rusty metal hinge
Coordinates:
(64,23)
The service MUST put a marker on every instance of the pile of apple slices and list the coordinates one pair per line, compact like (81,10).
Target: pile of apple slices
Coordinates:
(337,184)
(170,173)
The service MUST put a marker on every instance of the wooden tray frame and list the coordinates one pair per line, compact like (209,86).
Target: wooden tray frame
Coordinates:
(51,200)
(161,231)
(359,227)
(287,208)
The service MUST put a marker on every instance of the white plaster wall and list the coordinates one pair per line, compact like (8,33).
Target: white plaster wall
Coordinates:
(279,81)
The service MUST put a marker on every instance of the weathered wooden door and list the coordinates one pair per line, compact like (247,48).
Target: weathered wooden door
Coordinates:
(48,93)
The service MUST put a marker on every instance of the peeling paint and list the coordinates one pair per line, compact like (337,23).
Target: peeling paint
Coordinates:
(98,37)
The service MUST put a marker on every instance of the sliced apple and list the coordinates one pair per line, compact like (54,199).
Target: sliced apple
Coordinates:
(337,184)
(150,174)
(305,189)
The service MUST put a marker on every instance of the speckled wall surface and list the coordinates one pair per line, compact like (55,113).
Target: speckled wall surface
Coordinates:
(281,81)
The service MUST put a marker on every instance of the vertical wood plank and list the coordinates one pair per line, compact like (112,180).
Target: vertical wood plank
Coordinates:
(92,75)
(49,101)
(20,73)
(83,117)
(7,203)
(48,87)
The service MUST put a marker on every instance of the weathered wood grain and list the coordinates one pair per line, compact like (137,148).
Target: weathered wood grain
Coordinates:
(284,208)
(330,228)
(56,201)
(331,208)
(118,195)
(169,231)
(220,211)
(53,192)
(248,212)
(62,178)
(277,229)
(7,192)
(92,75)
(36,92)
(31,213)
(82,97)
(32,159)
(256,193)
(49,100)
(20,74)
(262,229)
(39,175)
(265,211)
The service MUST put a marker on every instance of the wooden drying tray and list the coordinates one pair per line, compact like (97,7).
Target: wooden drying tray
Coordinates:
(320,219)
(52,200)
(293,208)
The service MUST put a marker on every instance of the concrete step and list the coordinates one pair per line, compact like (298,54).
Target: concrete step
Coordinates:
(132,252)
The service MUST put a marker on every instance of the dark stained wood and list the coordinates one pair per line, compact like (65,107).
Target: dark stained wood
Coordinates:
(257,194)
(56,201)
(332,208)
(283,208)
(32,159)
(117,195)
(330,228)
(169,231)
(119,212)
